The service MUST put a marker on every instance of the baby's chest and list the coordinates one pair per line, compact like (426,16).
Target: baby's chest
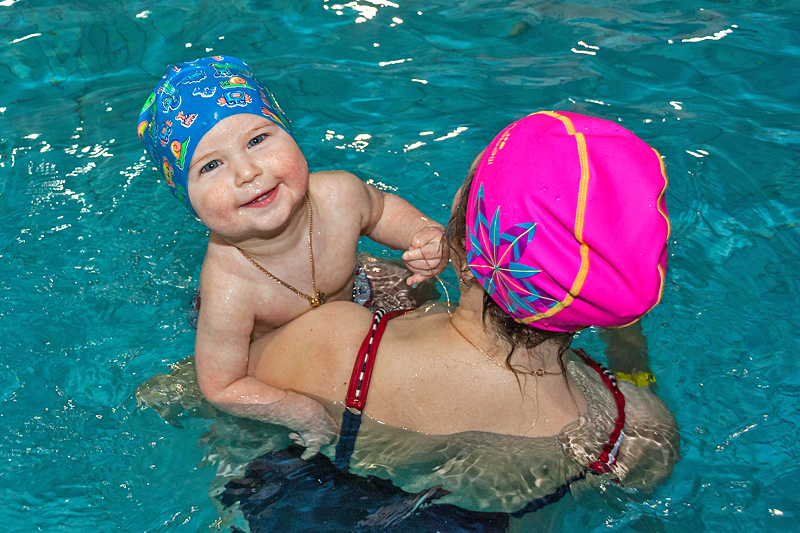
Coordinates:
(274,307)
(276,304)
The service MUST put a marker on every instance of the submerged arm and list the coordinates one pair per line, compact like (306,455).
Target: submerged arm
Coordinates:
(627,355)
(222,358)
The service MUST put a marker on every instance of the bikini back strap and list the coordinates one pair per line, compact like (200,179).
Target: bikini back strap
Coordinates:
(362,370)
(359,385)
(351,423)
(611,449)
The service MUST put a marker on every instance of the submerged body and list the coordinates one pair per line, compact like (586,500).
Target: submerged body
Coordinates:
(483,471)
(438,414)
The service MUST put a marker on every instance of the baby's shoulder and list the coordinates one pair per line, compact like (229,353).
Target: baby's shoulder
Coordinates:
(333,178)
(337,186)
(343,199)
(221,279)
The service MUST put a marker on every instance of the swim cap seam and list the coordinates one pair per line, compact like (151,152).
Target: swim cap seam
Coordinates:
(580,213)
(663,192)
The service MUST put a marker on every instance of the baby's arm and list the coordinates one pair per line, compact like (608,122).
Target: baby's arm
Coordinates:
(222,351)
(393,222)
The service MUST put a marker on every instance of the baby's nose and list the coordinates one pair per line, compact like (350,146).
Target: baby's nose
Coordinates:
(247,170)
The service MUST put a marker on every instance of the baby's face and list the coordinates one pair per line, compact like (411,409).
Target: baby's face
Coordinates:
(246,178)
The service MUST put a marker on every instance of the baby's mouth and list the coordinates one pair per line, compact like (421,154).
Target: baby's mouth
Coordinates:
(263,198)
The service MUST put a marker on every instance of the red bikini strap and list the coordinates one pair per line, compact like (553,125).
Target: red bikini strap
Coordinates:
(362,370)
(611,449)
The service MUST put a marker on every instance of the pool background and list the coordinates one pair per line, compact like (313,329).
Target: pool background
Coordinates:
(98,260)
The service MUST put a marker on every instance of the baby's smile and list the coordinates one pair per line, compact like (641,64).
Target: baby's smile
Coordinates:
(263,199)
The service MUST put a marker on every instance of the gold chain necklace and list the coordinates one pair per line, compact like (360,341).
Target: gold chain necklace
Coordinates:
(319,297)
(537,372)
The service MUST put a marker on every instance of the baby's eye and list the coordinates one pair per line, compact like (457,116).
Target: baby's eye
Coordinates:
(256,140)
(211,165)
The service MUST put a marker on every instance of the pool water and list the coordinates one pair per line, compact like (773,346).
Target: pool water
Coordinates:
(98,260)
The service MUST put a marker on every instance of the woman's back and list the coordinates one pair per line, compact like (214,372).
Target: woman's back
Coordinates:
(435,415)
(430,379)
(426,377)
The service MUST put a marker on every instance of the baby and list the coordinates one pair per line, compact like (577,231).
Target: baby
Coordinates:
(281,240)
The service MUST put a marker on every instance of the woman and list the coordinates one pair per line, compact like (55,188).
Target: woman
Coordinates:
(561,224)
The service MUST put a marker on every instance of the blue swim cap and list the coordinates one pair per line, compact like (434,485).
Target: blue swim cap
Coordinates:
(190,100)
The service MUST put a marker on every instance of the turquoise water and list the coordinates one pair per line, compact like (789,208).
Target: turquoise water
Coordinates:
(98,262)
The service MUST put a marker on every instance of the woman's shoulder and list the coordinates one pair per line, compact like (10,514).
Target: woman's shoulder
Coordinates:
(649,447)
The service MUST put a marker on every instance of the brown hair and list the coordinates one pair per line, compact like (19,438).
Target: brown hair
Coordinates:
(495,318)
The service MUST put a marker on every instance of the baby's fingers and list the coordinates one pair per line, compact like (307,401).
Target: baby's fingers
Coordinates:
(297,439)
(310,452)
(416,278)
(415,254)
(426,236)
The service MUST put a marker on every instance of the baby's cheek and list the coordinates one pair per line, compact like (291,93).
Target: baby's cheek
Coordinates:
(210,206)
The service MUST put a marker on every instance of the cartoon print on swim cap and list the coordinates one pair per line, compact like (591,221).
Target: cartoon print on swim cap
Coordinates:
(148,103)
(167,172)
(181,194)
(235,82)
(273,116)
(222,71)
(165,132)
(185,121)
(195,77)
(190,100)
(234,98)
(171,99)
(179,151)
(205,92)
(495,258)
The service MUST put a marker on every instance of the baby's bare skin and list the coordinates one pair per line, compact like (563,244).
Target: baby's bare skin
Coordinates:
(249,183)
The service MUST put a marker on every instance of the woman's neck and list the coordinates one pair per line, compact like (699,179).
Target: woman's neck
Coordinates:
(468,322)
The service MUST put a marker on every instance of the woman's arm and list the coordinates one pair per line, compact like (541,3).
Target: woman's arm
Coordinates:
(627,355)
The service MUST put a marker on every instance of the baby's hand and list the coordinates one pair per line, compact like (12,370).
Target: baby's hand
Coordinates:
(426,257)
(314,427)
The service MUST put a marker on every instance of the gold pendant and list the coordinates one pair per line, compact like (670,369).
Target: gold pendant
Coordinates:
(319,299)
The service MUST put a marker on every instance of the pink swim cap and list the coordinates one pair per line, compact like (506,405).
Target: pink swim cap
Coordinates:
(567,224)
